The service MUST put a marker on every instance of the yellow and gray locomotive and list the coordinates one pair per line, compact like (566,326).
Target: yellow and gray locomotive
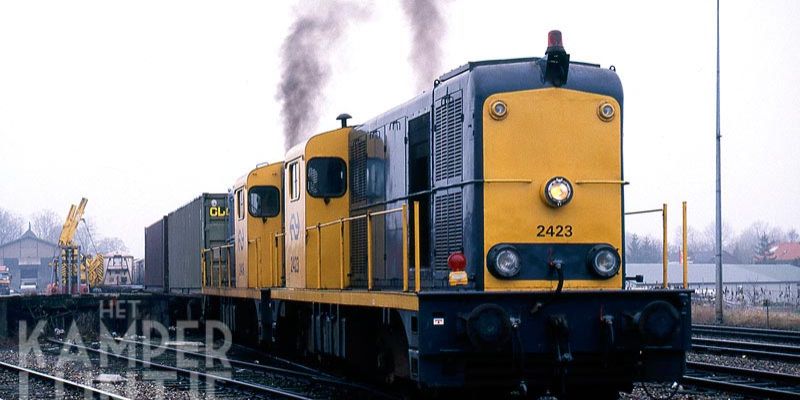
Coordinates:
(472,236)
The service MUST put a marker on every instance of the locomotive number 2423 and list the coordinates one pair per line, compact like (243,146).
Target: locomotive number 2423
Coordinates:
(554,231)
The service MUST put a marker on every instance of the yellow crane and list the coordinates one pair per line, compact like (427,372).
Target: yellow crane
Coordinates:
(78,271)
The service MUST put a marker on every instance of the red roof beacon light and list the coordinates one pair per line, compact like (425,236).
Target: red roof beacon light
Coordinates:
(556,60)
(457,261)
(554,42)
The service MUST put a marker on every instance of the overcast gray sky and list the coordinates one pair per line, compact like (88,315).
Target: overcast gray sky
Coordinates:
(141,106)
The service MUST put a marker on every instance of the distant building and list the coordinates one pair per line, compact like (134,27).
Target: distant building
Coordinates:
(28,259)
(787,253)
(709,257)
(742,283)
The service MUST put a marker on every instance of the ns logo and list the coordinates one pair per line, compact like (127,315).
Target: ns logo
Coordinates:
(294,227)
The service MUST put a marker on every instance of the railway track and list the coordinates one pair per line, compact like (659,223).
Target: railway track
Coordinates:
(749,382)
(766,351)
(770,335)
(762,344)
(267,381)
(255,388)
(295,369)
(80,389)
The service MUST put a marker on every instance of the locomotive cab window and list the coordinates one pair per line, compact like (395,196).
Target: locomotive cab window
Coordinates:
(294,181)
(326,177)
(264,201)
(240,204)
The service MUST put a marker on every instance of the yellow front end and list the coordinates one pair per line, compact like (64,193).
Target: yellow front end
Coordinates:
(539,135)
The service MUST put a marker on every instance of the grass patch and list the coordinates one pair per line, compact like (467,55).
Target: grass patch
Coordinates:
(753,317)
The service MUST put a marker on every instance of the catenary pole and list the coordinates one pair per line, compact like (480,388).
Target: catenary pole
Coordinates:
(719,196)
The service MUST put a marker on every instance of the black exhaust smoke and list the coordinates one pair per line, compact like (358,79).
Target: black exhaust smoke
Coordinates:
(306,64)
(428,28)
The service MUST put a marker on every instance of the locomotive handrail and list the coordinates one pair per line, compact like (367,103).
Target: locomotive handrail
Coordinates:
(208,276)
(501,180)
(654,210)
(204,265)
(257,242)
(665,248)
(347,219)
(601,182)
(403,209)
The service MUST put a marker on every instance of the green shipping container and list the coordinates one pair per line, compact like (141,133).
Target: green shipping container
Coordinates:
(199,225)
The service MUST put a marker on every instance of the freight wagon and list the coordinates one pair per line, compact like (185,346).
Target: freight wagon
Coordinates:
(174,244)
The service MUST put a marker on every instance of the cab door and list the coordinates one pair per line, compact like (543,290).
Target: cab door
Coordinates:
(240,229)
(295,237)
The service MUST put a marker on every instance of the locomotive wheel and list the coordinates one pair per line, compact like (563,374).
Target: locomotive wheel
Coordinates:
(385,366)
(391,355)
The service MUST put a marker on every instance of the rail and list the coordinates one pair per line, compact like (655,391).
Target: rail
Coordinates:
(738,348)
(88,390)
(786,336)
(208,377)
(750,382)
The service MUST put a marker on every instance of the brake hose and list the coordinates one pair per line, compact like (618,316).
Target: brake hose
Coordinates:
(555,264)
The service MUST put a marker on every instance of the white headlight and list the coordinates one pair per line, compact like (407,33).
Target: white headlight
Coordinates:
(605,261)
(506,263)
(558,191)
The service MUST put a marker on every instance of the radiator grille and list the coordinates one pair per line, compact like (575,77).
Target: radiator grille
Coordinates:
(358,170)
(448,235)
(447,136)
(358,252)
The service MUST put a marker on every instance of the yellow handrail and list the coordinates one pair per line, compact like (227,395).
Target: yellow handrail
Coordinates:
(665,249)
(341,253)
(601,182)
(227,264)
(203,268)
(369,251)
(275,260)
(685,258)
(417,273)
(319,258)
(208,275)
(405,247)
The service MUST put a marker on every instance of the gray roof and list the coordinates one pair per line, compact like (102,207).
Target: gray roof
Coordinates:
(706,273)
(28,235)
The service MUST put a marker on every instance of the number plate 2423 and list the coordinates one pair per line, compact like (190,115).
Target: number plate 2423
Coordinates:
(554,231)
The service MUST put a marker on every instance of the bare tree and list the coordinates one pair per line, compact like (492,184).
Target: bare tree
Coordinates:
(111,245)
(86,235)
(47,225)
(11,226)
(729,237)
(746,242)
(792,235)
(91,241)
(777,234)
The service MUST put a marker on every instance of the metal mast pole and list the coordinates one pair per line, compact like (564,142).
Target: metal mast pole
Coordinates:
(719,196)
